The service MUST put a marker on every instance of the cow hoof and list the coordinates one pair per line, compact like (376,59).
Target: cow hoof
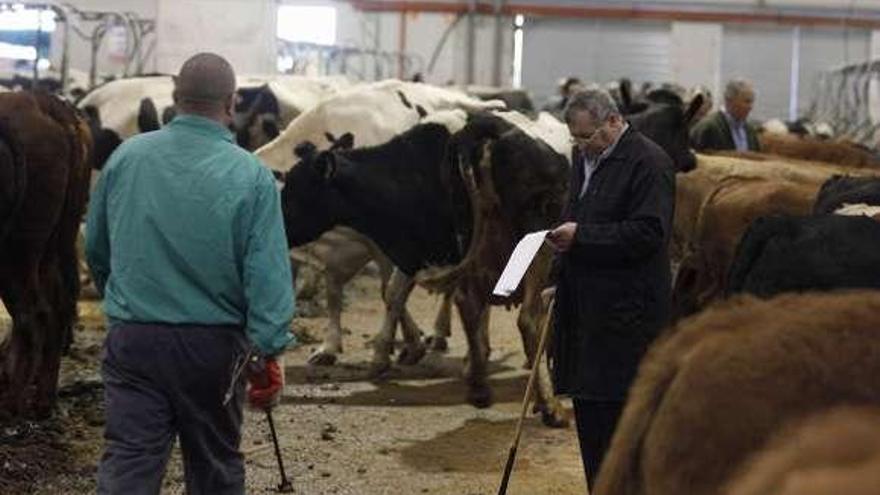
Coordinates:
(378,369)
(322,358)
(411,354)
(437,344)
(480,397)
(553,419)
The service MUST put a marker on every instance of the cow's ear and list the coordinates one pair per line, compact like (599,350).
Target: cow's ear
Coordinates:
(330,137)
(693,108)
(626,98)
(345,142)
(305,150)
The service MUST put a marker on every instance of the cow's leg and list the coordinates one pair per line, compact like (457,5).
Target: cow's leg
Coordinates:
(341,263)
(56,336)
(532,314)
(407,323)
(331,347)
(474,311)
(400,286)
(22,351)
(442,325)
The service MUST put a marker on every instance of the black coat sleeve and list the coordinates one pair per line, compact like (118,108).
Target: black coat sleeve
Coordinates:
(646,227)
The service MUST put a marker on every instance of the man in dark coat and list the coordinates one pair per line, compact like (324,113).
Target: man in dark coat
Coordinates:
(613,278)
(728,128)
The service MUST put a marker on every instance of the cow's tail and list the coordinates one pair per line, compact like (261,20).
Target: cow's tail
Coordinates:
(621,472)
(750,248)
(13,158)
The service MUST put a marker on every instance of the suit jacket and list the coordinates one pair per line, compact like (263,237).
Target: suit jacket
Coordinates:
(613,285)
(713,133)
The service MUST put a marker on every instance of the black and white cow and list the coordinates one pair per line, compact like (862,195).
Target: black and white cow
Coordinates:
(372,114)
(410,198)
(841,190)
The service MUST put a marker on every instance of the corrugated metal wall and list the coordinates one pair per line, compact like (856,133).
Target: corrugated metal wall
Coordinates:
(598,51)
(604,51)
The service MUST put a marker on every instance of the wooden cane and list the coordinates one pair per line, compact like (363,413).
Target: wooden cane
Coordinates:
(511,455)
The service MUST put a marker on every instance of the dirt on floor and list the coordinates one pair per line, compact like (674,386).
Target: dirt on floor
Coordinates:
(340,431)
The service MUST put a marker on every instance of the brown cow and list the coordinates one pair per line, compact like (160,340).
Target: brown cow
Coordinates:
(727,211)
(716,387)
(842,153)
(693,187)
(834,452)
(39,283)
(717,201)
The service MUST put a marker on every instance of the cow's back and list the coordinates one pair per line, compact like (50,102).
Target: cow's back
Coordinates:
(718,385)
(836,152)
(834,452)
(787,254)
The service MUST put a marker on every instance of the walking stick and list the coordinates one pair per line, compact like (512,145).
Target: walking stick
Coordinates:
(511,455)
(285,486)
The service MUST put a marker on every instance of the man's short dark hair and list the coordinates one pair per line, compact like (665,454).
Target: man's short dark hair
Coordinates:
(205,81)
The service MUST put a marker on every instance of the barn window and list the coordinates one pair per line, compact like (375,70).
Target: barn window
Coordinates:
(307,24)
(25,33)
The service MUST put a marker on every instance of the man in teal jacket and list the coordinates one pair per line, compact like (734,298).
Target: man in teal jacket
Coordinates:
(185,241)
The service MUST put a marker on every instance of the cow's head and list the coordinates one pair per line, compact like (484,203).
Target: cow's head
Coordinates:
(669,126)
(307,198)
(256,116)
(531,181)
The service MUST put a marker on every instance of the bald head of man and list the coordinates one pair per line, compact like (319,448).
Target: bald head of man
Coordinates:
(206,87)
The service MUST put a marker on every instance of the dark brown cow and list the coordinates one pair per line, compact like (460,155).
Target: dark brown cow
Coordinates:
(834,452)
(716,388)
(39,283)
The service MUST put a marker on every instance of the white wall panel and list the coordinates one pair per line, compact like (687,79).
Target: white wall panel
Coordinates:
(696,55)
(763,56)
(243,31)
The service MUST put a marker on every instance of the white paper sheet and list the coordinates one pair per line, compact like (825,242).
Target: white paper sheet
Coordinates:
(519,262)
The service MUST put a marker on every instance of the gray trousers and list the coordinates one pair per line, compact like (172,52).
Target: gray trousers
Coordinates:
(163,381)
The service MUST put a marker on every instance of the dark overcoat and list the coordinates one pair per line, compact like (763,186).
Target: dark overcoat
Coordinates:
(613,285)
(713,133)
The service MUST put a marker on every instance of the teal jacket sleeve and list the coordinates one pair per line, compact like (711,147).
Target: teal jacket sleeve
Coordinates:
(97,234)
(268,284)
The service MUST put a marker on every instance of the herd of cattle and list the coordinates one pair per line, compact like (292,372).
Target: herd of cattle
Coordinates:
(775,255)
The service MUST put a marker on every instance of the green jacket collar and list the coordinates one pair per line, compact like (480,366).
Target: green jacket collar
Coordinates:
(202,125)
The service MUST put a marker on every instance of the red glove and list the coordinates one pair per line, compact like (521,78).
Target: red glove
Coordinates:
(266,378)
